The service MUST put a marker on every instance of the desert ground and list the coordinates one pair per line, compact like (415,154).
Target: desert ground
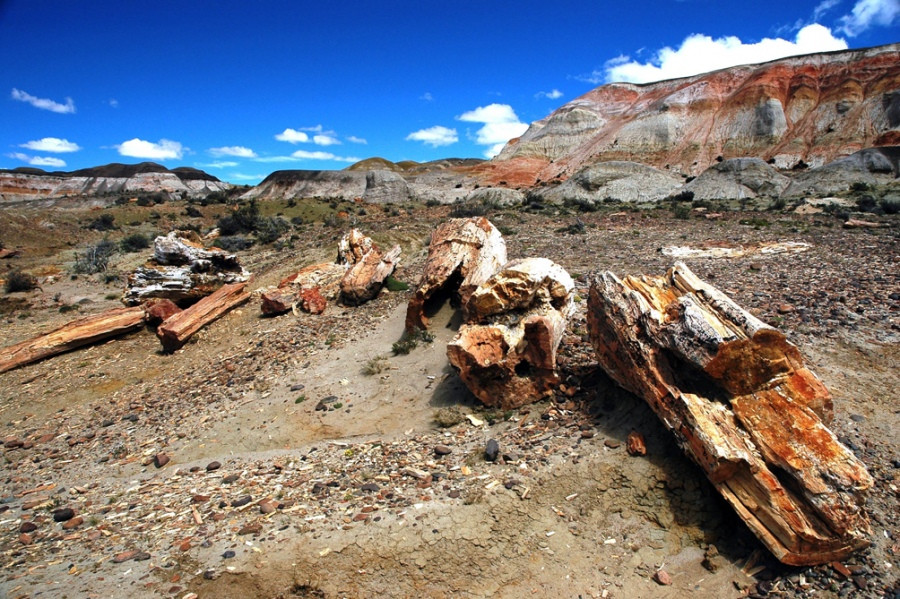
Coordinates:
(306,459)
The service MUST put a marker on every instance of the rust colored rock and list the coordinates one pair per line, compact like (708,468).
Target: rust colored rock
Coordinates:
(506,353)
(178,328)
(77,333)
(463,253)
(325,277)
(365,278)
(159,310)
(741,403)
(311,300)
(635,444)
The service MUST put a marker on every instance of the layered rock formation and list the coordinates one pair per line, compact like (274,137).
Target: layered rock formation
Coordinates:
(801,110)
(147,177)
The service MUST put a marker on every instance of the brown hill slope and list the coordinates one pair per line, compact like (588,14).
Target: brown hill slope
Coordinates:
(799,110)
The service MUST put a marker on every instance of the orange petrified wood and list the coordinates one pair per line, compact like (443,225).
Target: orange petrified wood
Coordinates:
(178,328)
(741,403)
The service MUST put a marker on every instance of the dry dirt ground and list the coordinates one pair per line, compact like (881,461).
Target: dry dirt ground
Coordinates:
(301,466)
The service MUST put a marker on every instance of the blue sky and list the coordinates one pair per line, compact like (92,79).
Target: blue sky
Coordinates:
(241,89)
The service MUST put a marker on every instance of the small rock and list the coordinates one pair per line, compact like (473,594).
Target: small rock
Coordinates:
(298,387)
(73,523)
(371,487)
(160,460)
(267,506)
(141,556)
(231,478)
(860,582)
(611,443)
(442,450)
(248,529)
(28,527)
(124,556)
(635,444)
(213,466)
(842,571)
(26,538)
(491,450)
(228,554)
(63,514)
(785,308)
(242,501)
(662,577)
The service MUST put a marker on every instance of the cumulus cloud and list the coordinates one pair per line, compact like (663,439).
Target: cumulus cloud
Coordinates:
(869,13)
(292,136)
(44,103)
(356,140)
(51,144)
(435,137)
(325,139)
(236,151)
(554,94)
(500,124)
(38,160)
(700,54)
(164,149)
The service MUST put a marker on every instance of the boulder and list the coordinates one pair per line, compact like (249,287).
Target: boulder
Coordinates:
(624,181)
(738,178)
(385,187)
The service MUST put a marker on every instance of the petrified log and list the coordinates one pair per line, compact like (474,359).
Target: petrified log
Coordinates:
(177,329)
(740,402)
(506,351)
(463,253)
(77,333)
(364,279)
(182,271)
(158,310)
(326,277)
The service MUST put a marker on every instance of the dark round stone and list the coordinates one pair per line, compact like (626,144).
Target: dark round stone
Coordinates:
(63,514)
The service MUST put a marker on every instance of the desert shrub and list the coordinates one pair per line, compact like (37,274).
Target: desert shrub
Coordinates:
(376,365)
(582,204)
(104,222)
(192,212)
(134,243)
(233,243)
(778,204)
(859,186)
(409,341)
(681,196)
(297,221)
(18,280)
(269,229)
(242,220)
(866,203)
(576,228)
(395,285)
(681,212)
(890,204)
(94,258)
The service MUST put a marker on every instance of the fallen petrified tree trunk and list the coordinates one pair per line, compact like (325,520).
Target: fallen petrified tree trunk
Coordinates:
(741,403)
(464,253)
(178,328)
(506,353)
(182,271)
(77,333)
(364,279)
(325,277)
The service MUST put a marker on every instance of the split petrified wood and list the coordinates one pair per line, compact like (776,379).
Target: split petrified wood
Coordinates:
(506,351)
(741,403)
(365,278)
(77,333)
(325,277)
(177,329)
(471,249)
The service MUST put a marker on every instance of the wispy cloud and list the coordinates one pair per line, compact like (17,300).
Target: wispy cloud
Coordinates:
(823,8)
(869,13)
(219,164)
(113,103)
(356,140)
(38,160)
(701,53)
(553,94)
(51,144)
(435,137)
(320,155)
(500,124)
(164,149)
(236,151)
(292,136)
(427,97)
(245,177)
(326,139)
(44,103)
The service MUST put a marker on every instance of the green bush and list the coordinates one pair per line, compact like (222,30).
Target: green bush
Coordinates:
(134,243)
(18,280)
(271,228)
(242,220)
(234,243)
(94,258)
(104,222)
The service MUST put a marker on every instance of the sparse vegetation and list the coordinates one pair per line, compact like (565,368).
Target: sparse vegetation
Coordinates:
(410,341)
(94,258)
(18,280)
(447,417)
(104,222)
(376,365)
(134,243)
(393,284)
(233,243)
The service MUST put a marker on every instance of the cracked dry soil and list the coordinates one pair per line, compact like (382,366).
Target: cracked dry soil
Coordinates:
(264,495)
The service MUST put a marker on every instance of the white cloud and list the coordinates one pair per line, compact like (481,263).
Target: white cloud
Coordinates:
(245,177)
(700,54)
(869,13)
(164,149)
(500,125)
(292,136)
(325,139)
(427,97)
(51,144)
(219,164)
(320,155)
(434,136)
(236,151)
(554,94)
(356,140)
(38,160)
(44,103)
(822,8)
(113,103)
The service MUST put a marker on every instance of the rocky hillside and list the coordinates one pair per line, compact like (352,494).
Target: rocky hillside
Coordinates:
(26,184)
(799,111)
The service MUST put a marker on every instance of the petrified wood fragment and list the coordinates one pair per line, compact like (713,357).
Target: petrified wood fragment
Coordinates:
(77,333)
(182,271)
(325,277)
(178,328)
(741,403)
(506,351)
(464,253)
